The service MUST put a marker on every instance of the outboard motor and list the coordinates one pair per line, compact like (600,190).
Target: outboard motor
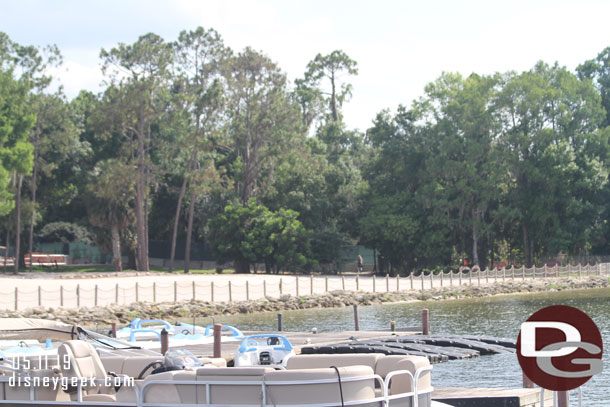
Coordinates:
(265,358)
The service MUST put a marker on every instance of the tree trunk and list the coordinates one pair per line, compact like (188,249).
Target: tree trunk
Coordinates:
(176,222)
(375,260)
(146,211)
(242,267)
(531,259)
(475,239)
(178,209)
(189,233)
(8,242)
(116,247)
(526,246)
(140,201)
(333,99)
(18,224)
(34,180)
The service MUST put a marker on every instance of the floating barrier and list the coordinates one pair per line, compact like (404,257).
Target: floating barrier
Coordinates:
(437,348)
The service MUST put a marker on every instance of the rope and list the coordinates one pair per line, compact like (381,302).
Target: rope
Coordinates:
(340,386)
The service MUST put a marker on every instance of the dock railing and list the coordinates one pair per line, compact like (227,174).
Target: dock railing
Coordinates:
(74,293)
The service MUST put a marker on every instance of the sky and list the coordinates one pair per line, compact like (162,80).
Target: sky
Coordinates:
(400,46)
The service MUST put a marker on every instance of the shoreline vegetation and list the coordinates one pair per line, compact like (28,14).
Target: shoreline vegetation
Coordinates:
(105,315)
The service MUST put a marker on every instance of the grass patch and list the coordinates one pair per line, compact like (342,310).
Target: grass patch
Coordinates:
(88,268)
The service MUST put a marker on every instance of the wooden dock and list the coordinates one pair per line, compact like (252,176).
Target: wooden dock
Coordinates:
(477,397)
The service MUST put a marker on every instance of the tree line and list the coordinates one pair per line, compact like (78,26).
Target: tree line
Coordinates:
(192,141)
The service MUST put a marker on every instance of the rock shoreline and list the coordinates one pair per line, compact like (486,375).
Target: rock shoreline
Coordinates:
(89,316)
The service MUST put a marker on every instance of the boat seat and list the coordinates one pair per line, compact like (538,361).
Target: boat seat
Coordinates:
(233,394)
(84,363)
(41,392)
(402,383)
(130,366)
(163,393)
(339,360)
(299,393)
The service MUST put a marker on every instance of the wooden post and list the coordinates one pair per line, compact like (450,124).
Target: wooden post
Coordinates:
(356,321)
(512,270)
(563,399)
(164,341)
(137,292)
(194,294)
(425,321)
(556,270)
(154,291)
(357,282)
(579,270)
(16,294)
(431,279)
(479,277)
(280,286)
(387,283)
(265,288)
(450,278)
(442,273)
(343,281)
(175,291)
(588,270)
(212,291)
(78,295)
(230,292)
(599,269)
(247,291)
(374,283)
(95,296)
(527,383)
(460,277)
(39,296)
(470,277)
(523,272)
(496,274)
(411,278)
(422,281)
(217,340)
(397,282)
(311,284)
(487,275)
(544,272)
(116,293)
(113,329)
(297,280)
(326,284)
(279,322)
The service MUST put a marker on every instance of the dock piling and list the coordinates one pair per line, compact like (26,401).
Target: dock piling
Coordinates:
(527,382)
(165,341)
(425,321)
(113,329)
(356,321)
(217,339)
(279,322)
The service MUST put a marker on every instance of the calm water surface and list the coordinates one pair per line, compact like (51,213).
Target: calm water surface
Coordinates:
(496,316)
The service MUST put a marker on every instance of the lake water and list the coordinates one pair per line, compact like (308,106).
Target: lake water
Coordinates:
(497,316)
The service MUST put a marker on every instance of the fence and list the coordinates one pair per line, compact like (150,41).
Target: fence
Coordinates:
(100,292)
